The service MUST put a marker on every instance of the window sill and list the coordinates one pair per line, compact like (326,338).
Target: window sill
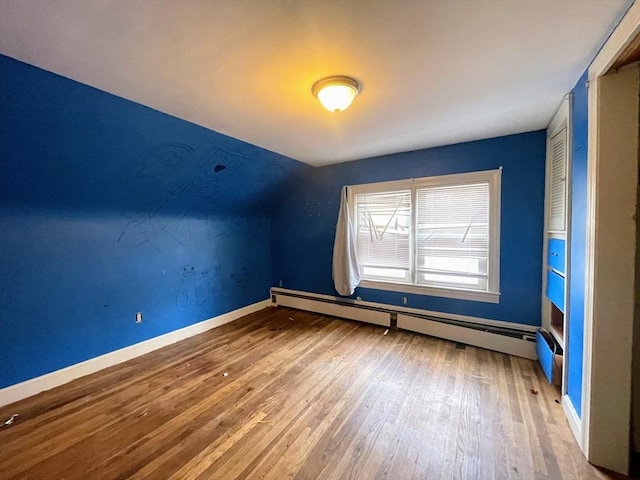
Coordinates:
(474,296)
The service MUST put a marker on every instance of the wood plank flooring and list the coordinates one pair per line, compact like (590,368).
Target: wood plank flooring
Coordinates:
(290,394)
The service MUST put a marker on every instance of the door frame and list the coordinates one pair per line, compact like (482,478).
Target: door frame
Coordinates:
(609,276)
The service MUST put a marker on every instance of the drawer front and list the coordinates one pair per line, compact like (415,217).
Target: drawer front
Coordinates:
(550,362)
(556,258)
(555,289)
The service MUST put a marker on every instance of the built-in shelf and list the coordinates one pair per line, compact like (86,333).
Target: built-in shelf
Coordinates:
(555,266)
(557,324)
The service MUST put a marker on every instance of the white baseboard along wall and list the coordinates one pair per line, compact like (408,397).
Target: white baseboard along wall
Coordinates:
(505,337)
(19,391)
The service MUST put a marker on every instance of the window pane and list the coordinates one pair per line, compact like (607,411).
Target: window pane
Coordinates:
(435,279)
(383,229)
(390,274)
(453,234)
(454,264)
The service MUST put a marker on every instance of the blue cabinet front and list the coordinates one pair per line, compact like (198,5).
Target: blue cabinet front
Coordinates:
(545,356)
(555,289)
(556,257)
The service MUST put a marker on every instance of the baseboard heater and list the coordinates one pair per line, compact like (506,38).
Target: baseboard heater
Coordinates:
(503,337)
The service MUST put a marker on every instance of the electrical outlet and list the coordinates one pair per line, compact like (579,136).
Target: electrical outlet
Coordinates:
(138,317)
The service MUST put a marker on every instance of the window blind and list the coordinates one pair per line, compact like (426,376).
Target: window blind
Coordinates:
(453,235)
(384,228)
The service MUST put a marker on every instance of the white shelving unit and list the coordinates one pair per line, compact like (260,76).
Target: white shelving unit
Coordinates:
(556,238)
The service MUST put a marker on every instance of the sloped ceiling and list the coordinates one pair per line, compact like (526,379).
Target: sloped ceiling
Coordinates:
(433,72)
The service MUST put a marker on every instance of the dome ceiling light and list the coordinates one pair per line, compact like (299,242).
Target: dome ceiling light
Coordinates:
(336,93)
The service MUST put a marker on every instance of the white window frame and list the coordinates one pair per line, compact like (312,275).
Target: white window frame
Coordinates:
(494,178)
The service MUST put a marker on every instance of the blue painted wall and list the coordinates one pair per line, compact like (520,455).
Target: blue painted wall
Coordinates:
(107,208)
(575,320)
(303,226)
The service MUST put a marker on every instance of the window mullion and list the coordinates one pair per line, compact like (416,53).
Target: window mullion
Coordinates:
(413,247)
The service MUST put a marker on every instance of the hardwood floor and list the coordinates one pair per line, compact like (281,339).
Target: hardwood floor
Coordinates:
(290,394)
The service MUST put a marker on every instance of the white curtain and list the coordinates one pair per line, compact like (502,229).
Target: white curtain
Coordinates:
(346,273)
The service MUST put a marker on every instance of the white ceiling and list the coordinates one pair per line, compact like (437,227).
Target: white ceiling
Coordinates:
(433,72)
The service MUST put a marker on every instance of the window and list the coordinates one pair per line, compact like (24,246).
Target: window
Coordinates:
(436,235)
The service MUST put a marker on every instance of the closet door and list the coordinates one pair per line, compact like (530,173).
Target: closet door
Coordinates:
(558,182)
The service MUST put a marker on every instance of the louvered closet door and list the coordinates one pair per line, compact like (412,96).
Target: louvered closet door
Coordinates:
(558,182)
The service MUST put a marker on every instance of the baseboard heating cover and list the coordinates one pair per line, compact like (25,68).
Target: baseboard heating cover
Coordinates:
(313,303)
(506,337)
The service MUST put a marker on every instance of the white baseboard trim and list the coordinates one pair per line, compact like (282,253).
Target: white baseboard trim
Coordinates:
(477,338)
(19,391)
(574,420)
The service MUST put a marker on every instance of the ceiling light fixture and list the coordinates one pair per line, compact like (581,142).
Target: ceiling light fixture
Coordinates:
(336,93)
